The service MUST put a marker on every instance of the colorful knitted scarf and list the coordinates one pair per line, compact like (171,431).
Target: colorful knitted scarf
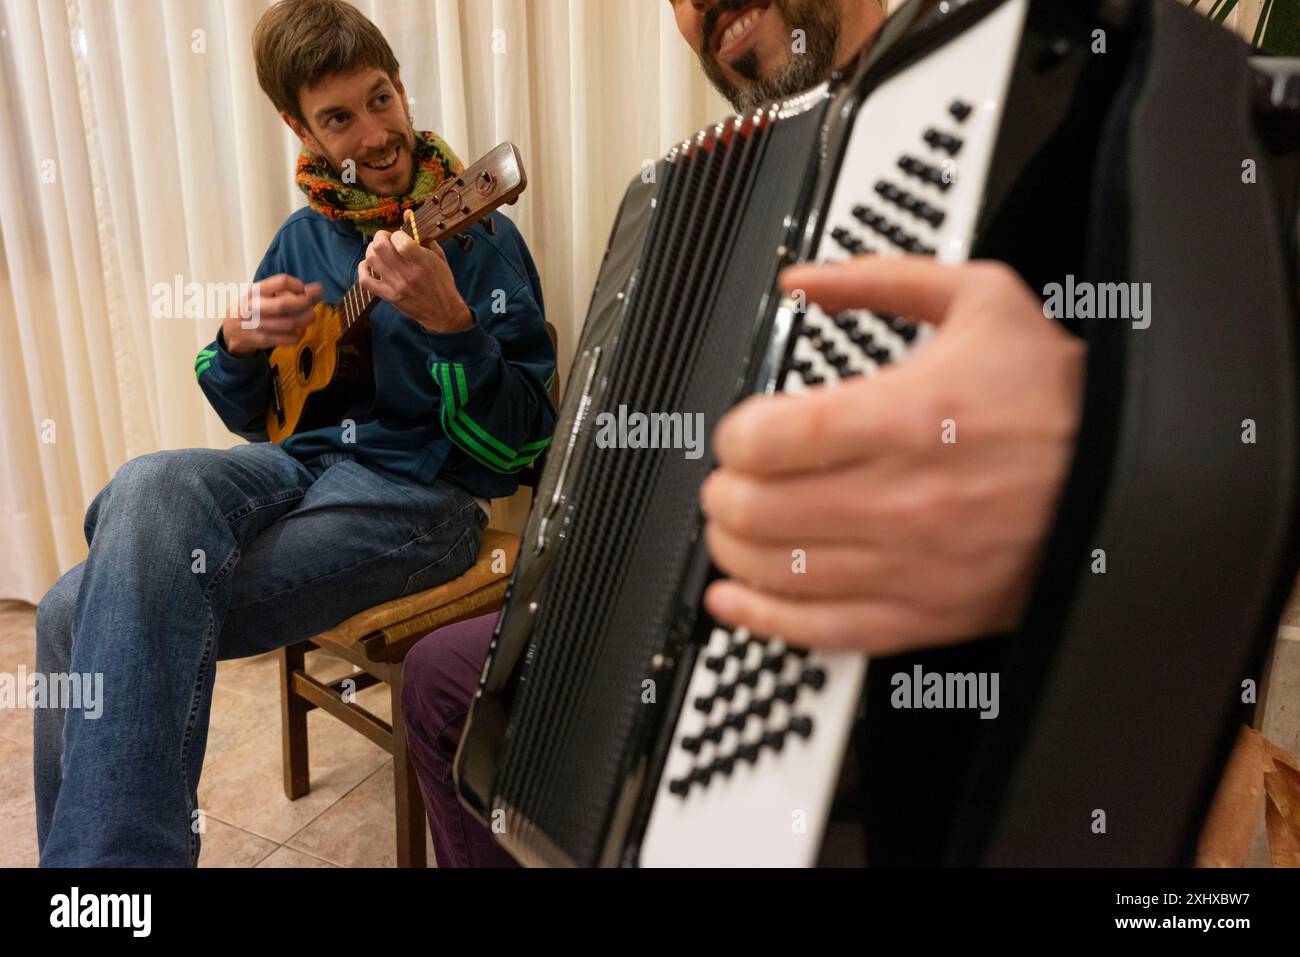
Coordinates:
(351,203)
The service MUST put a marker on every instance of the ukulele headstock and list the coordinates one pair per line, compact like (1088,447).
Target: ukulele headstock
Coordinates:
(495,180)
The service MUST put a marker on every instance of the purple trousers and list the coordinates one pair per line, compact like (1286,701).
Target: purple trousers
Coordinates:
(440,677)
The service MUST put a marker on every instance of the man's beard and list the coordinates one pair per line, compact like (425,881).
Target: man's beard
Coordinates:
(409,138)
(820,22)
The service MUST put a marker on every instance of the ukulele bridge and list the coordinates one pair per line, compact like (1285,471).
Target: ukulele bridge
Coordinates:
(277,400)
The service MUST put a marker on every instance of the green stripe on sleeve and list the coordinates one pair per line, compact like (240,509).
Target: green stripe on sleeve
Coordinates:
(474,440)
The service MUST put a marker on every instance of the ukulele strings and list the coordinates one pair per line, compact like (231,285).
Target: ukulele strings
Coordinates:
(357,302)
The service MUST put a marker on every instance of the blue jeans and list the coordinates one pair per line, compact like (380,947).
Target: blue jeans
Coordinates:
(196,556)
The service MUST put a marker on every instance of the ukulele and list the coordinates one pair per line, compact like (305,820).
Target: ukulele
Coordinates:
(331,369)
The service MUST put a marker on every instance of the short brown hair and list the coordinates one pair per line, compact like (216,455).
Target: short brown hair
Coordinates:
(298,43)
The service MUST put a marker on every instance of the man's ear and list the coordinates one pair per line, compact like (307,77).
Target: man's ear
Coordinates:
(300,130)
(401,92)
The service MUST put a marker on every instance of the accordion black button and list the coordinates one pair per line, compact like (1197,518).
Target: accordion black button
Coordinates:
(714,734)
(813,677)
(704,703)
(701,776)
(726,692)
(934,176)
(814,380)
(787,693)
(748,752)
(681,787)
(902,328)
(723,766)
(943,141)
(761,709)
(797,651)
(934,217)
(715,663)
(960,110)
(774,740)
(736,722)
(773,662)
(748,678)
(846,321)
(692,744)
(802,726)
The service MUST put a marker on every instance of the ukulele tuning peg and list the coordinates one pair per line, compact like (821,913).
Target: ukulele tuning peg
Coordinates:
(466,241)
(490,225)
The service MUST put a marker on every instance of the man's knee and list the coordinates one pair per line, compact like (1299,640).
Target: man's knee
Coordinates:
(162,473)
(172,477)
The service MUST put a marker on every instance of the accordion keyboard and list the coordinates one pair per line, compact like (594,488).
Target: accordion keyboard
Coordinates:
(756,754)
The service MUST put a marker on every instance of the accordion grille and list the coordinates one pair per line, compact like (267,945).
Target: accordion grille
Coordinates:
(710,258)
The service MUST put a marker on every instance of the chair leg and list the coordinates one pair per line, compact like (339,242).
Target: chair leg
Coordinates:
(293,724)
(409,801)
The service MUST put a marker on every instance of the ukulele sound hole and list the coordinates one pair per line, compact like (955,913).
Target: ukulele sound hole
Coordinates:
(305,363)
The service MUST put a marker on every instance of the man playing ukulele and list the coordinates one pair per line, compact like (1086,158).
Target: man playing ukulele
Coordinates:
(201,555)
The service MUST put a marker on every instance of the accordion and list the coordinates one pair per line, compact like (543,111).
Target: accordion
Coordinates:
(617,725)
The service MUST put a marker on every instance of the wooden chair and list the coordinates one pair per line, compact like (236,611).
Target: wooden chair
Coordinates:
(377,641)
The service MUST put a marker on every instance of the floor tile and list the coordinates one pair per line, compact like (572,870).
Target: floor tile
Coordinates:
(244,786)
(227,846)
(18,836)
(17,806)
(358,831)
(288,857)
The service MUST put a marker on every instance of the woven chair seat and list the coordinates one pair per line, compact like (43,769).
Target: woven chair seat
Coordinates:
(386,632)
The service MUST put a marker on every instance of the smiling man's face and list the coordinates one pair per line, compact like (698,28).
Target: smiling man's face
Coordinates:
(362,116)
(751,51)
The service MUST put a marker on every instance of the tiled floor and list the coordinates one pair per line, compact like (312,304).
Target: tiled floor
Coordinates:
(347,819)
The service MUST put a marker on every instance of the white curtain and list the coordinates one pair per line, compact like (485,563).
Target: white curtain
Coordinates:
(136,146)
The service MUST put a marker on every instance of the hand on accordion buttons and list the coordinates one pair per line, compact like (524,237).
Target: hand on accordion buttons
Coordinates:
(907,510)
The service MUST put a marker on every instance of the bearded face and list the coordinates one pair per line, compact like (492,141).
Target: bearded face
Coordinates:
(754,52)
